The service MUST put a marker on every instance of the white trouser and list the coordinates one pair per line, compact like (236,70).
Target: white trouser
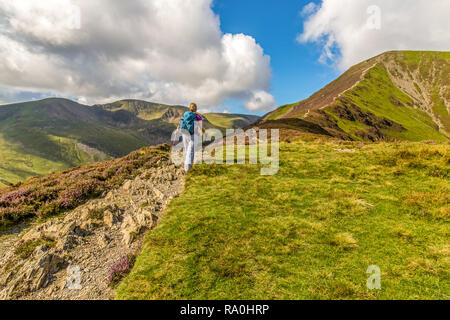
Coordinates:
(189,151)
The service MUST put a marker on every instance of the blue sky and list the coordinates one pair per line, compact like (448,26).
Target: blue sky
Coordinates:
(275,25)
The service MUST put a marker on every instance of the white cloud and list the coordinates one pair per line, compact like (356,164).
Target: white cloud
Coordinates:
(342,28)
(260,100)
(310,8)
(166,51)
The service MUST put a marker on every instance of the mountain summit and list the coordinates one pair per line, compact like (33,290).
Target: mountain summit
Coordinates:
(398,95)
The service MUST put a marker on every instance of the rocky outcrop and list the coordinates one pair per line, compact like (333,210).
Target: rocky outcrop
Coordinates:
(39,263)
(172,115)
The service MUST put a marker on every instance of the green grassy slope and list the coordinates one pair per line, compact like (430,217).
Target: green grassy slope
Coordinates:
(18,163)
(309,232)
(230,121)
(401,95)
(278,113)
(44,136)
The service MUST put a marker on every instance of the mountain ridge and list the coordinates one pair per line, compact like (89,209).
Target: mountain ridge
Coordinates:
(397,95)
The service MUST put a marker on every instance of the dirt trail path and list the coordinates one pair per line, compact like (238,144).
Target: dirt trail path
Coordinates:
(363,75)
(36,263)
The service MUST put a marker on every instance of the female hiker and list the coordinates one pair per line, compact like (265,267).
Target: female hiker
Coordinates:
(190,130)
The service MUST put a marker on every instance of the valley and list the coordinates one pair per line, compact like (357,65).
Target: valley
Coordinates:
(37,138)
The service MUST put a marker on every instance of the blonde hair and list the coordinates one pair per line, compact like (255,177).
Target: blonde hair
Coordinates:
(193,107)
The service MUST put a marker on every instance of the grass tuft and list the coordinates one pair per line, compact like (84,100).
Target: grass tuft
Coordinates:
(344,241)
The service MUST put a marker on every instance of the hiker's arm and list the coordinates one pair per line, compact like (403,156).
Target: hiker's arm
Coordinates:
(199,118)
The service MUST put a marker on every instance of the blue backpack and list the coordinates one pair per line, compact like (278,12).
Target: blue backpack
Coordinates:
(188,121)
